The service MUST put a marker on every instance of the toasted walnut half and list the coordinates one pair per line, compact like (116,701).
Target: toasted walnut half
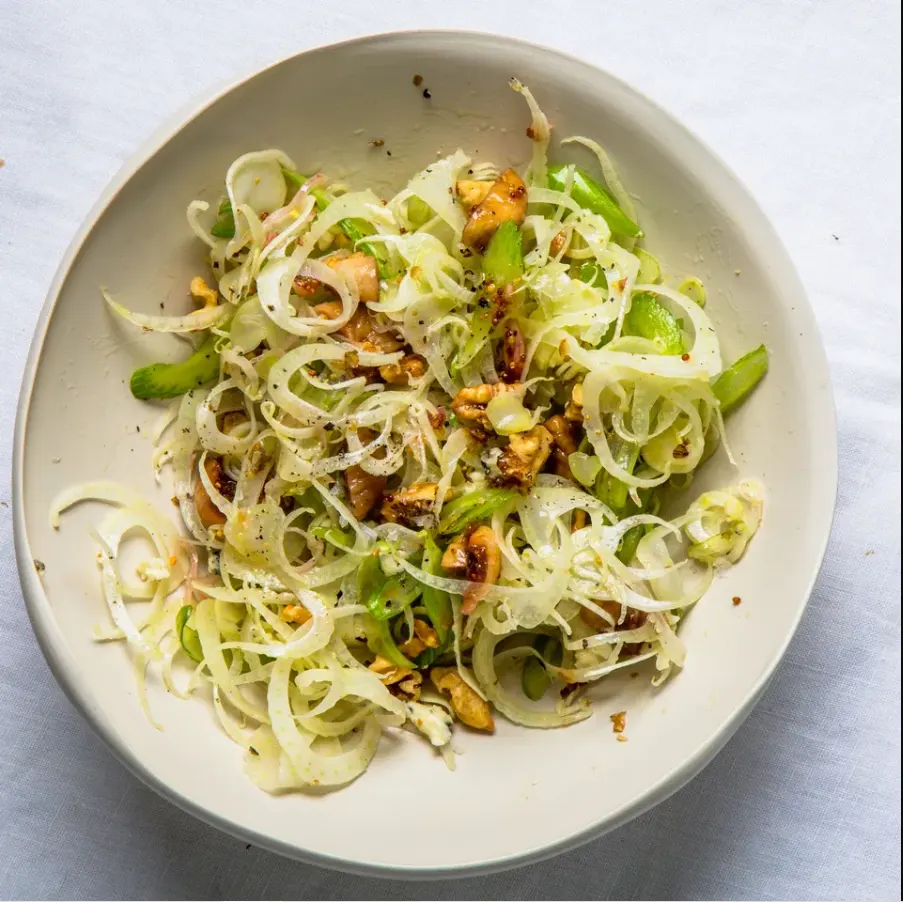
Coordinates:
(482,566)
(470,403)
(360,330)
(424,637)
(525,456)
(412,507)
(564,437)
(389,672)
(409,368)
(358,268)
(364,490)
(400,681)
(632,621)
(208,513)
(506,200)
(408,689)
(454,559)
(470,708)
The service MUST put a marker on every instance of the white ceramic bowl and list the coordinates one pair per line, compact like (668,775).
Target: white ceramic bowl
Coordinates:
(520,794)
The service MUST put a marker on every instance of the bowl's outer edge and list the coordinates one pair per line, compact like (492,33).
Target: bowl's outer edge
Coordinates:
(54,649)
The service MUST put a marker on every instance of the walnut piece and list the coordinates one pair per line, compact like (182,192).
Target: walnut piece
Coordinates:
(409,368)
(412,507)
(633,619)
(208,513)
(454,559)
(482,566)
(564,437)
(525,456)
(472,192)
(424,637)
(358,268)
(408,689)
(470,403)
(505,201)
(201,291)
(389,672)
(402,682)
(470,708)
(574,409)
(360,330)
(364,490)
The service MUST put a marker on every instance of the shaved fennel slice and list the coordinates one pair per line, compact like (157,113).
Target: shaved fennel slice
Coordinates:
(274,288)
(540,133)
(209,433)
(256,179)
(313,768)
(509,705)
(362,205)
(201,319)
(435,186)
(116,605)
(299,212)
(108,492)
(672,645)
(609,173)
(596,672)
(167,568)
(195,209)
(546,504)
(531,604)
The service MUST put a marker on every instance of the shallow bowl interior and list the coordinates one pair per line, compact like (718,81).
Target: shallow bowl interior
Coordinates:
(520,793)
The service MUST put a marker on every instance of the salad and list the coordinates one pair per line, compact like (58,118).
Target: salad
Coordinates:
(421,449)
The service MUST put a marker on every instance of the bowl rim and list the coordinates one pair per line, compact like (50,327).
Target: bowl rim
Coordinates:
(37,603)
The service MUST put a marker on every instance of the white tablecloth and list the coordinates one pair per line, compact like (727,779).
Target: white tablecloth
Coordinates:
(803,100)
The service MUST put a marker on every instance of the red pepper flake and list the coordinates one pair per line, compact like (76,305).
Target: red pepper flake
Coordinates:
(377,142)
(418,80)
(685,357)
(737,600)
